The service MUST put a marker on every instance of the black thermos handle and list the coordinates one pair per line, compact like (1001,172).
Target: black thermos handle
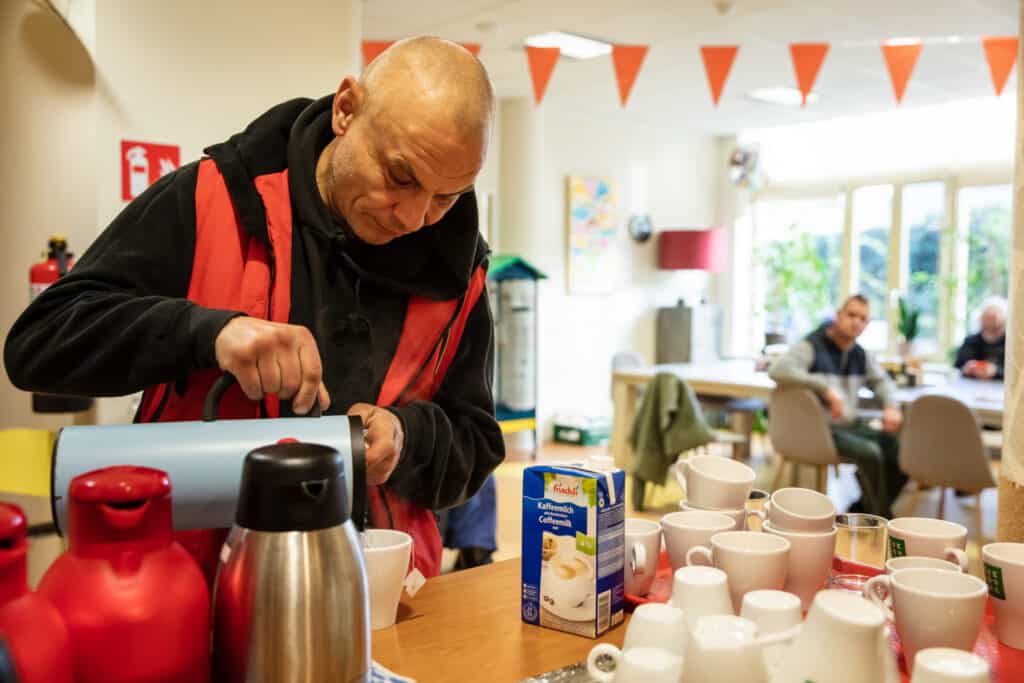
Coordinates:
(224,383)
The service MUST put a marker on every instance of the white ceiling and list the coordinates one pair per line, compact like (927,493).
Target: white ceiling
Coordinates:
(672,86)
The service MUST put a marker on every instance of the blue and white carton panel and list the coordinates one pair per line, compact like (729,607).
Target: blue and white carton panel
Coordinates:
(573,548)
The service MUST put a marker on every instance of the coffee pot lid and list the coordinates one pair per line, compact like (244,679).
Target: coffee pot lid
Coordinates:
(13,528)
(292,486)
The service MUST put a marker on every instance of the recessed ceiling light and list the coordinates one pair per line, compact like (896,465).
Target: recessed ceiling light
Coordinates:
(787,97)
(570,44)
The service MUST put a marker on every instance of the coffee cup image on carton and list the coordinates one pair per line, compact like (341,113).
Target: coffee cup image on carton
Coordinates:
(566,582)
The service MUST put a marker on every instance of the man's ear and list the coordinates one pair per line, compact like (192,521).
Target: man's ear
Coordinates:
(348,102)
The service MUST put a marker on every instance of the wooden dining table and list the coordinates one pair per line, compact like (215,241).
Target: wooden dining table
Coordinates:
(466,626)
(738,378)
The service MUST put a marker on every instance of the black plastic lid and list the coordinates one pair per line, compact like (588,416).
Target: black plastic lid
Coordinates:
(292,487)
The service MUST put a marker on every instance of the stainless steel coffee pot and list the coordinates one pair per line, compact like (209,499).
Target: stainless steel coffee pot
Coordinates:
(291,598)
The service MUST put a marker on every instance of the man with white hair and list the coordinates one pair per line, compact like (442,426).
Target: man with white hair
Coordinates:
(981,355)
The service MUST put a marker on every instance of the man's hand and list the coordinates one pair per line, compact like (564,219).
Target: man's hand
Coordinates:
(384,441)
(273,358)
(835,404)
(892,420)
(970,369)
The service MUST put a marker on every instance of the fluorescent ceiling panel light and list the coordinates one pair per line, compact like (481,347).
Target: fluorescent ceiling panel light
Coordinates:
(787,97)
(570,44)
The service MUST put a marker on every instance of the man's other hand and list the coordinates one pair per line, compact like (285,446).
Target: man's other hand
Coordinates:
(835,404)
(892,420)
(273,358)
(384,441)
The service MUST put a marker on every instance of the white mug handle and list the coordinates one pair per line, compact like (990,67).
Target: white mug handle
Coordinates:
(957,556)
(878,590)
(681,475)
(701,553)
(603,649)
(638,562)
(760,514)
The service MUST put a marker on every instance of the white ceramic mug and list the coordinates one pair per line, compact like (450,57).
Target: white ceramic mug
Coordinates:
(743,518)
(655,624)
(715,483)
(810,561)
(772,611)
(566,580)
(931,607)
(843,640)
(726,649)
(643,545)
(925,537)
(946,665)
(798,509)
(701,592)
(635,665)
(915,562)
(686,529)
(386,553)
(1004,572)
(752,561)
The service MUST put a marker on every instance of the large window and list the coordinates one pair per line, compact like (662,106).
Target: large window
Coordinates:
(923,213)
(798,255)
(872,221)
(985,220)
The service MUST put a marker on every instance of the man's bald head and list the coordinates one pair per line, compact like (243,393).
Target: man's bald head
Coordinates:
(434,77)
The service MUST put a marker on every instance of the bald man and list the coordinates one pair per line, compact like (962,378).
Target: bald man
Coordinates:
(982,354)
(330,252)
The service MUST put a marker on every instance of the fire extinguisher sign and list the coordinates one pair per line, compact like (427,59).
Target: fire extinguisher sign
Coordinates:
(143,163)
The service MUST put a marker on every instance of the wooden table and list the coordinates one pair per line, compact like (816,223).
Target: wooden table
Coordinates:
(739,379)
(465,626)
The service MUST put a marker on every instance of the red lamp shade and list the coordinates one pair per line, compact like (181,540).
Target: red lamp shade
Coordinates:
(692,250)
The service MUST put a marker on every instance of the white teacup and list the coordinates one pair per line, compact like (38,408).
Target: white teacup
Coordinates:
(843,640)
(1004,572)
(687,529)
(635,665)
(772,611)
(797,509)
(925,537)
(643,545)
(810,561)
(566,580)
(715,483)
(914,562)
(752,561)
(654,624)
(946,665)
(386,553)
(743,518)
(725,649)
(931,607)
(701,592)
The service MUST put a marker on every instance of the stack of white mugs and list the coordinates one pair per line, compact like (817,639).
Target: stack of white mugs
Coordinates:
(773,577)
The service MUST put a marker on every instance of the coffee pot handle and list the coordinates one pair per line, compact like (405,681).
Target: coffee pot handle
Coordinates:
(224,383)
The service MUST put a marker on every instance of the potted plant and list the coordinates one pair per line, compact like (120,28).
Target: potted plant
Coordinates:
(907,327)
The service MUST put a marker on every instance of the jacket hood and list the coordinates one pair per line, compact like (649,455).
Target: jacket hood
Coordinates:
(437,261)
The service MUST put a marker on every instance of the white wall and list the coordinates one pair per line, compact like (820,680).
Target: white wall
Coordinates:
(580,333)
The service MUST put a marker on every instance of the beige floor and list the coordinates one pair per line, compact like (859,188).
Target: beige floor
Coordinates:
(661,500)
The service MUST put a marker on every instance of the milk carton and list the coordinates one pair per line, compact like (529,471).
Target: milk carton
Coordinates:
(573,541)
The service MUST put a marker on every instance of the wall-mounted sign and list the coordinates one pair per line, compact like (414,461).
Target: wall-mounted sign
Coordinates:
(143,163)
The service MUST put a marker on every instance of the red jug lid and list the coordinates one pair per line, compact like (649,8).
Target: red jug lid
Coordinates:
(120,484)
(13,528)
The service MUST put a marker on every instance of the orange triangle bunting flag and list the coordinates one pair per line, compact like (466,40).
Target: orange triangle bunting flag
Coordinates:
(472,47)
(627,60)
(901,58)
(807,61)
(1001,53)
(372,48)
(718,61)
(542,62)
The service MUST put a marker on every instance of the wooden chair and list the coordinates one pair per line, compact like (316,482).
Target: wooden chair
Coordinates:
(941,446)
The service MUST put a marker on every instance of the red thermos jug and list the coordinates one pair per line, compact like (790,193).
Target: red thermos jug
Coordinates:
(135,602)
(32,628)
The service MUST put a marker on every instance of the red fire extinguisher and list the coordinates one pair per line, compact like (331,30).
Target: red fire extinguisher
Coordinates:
(56,263)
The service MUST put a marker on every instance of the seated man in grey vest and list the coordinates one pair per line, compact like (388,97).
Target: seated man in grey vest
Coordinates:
(831,363)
